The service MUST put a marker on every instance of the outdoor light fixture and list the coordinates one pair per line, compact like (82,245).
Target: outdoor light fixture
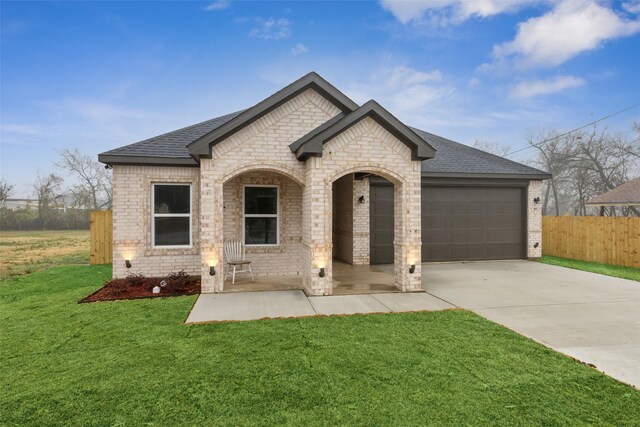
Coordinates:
(321,274)
(212,270)
(412,268)
(127,263)
(536,244)
(361,199)
(536,200)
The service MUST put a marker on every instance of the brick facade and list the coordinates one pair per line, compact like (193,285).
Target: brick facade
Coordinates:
(320,215)
(132,221)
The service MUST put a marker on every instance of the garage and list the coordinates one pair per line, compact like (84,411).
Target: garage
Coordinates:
(461,220)
(472,223)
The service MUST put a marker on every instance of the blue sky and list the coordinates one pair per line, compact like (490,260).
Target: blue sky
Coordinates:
(98,75)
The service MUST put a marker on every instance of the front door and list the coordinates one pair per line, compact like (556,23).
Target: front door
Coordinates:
(381,224)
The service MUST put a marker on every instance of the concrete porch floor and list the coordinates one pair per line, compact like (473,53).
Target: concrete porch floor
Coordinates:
(347,280)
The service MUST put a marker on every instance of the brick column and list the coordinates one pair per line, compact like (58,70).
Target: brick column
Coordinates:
(361,228)
(316,244)
(408,239)
(211,229)
(534,220)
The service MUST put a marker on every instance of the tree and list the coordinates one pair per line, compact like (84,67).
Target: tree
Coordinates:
(584,164)
(6,191)
(93,189)
(47,191)
(492,147)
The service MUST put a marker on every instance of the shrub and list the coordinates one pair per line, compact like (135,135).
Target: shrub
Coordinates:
(136,279)
(178,279)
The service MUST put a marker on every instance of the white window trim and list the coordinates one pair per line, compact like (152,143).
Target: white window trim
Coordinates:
(156,215)
(276,215)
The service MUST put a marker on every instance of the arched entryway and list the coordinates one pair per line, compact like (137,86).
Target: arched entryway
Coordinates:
(362,234)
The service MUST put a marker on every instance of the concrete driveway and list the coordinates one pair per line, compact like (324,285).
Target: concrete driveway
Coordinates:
(593,318)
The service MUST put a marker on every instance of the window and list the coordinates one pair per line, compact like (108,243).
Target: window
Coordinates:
(261,215)
(171,215)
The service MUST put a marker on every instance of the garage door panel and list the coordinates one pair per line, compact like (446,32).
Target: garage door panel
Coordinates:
(472,223)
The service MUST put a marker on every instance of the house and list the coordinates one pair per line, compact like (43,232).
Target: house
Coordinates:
(625,195)
(306,176)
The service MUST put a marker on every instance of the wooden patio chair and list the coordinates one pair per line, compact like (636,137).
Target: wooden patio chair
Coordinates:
(235,258)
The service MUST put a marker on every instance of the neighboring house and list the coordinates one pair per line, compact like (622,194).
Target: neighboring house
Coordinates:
(308,175)
(625,195)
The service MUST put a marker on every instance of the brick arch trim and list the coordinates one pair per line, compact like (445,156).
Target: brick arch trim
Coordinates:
(270,167)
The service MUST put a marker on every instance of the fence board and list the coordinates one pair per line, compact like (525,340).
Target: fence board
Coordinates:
(101,235)
(607,240)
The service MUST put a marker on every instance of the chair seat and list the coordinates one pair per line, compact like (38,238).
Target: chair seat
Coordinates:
(238,262)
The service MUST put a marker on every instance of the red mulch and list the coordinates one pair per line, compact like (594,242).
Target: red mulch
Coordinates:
(142,287)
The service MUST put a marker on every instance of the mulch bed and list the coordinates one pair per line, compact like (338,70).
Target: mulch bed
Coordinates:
(138,286)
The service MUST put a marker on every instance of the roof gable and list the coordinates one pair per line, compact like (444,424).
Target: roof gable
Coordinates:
(201,147)
(311,144)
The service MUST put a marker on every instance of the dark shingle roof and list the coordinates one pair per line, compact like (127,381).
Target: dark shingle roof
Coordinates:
(171,145)
(452,158)
(456,158)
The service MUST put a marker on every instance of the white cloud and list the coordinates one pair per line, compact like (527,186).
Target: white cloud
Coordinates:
(536,87)
(271,29)
(571,27)
(299,49)
(632,7)
(450,11)
(402,89)
(217,5)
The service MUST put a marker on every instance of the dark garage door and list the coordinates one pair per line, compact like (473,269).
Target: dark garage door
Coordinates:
(472,223)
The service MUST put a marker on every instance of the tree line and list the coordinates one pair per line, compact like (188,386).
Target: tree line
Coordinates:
(60,204)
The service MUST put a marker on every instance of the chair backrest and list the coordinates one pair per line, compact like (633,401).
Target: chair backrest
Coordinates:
(234,250)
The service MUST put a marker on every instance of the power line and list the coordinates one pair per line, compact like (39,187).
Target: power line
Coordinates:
(576,129)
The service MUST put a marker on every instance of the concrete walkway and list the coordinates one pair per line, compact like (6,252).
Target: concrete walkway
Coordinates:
(591,317)
(278,304)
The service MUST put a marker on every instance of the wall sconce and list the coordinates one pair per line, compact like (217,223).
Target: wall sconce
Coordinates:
(536,244)
(321,274)
(127,263)
(412,269)
(212,270)
(536,200)
(361,199)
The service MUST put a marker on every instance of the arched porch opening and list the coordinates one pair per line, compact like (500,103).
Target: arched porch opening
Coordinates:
(358,246)
(262,207)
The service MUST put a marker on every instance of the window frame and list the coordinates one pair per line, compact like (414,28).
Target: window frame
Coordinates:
(155,215)
(276,216)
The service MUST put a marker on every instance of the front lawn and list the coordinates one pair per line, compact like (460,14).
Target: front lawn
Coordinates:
(594,267)
(136,363)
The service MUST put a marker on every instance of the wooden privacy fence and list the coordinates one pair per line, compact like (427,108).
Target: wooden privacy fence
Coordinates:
(607,240)
(101,237)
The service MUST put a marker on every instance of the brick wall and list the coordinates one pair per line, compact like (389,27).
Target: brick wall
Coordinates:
(534,220)
(283,260)
(132,221)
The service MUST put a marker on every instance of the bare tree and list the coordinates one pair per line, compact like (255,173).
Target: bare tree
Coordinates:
(492,147)
(584,164)
(6,191)
(94,182)
(47,191)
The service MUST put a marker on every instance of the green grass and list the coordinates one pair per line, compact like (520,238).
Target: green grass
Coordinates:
(594,267)
(136,363)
